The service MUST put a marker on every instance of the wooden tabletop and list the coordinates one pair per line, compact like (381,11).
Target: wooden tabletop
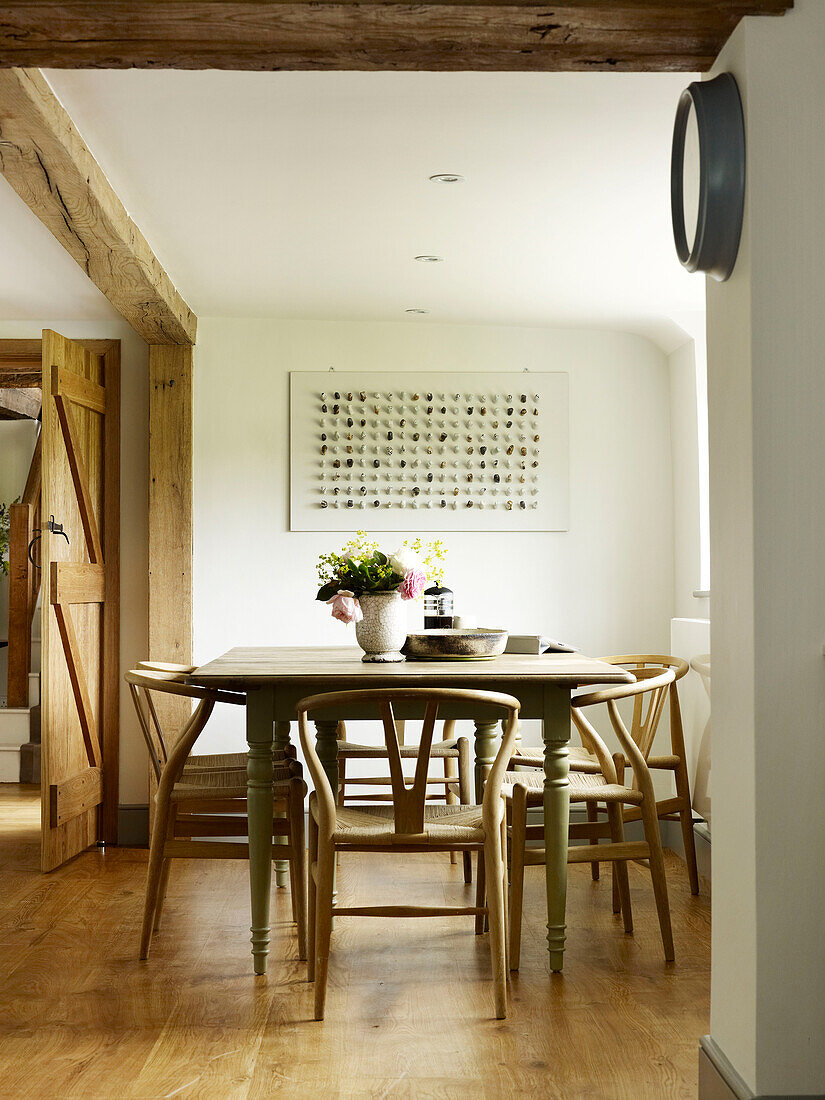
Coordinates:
(339,666)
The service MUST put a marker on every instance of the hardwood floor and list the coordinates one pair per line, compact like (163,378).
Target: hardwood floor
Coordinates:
(409,1008)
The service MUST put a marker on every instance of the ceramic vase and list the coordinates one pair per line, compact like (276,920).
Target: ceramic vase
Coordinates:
(383,630)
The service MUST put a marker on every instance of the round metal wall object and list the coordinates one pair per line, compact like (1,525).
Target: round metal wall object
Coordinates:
(721,132)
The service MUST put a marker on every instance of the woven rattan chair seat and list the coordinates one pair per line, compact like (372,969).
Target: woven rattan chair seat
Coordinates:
(584,787)
(375,824)
(224,776)
(439,751)
(580,759)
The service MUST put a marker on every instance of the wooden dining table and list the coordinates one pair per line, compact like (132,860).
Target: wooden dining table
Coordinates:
(275,679)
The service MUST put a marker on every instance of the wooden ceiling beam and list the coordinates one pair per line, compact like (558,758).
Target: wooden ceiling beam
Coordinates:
(20,404)
(48,164)
(584,35)
(20,363)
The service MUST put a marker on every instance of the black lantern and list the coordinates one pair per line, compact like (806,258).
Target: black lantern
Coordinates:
(438,608)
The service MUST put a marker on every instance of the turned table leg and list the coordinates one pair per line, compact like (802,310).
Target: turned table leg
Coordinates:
(281,865)
(556,734)
(260,707)
(326,744)
(485,752)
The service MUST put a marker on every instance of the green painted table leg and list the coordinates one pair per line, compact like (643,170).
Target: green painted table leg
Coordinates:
(485,753)
(260,708)
(281,865)
(556,734)
(326,744)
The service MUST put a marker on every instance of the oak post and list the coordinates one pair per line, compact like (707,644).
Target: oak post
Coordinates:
(170,516)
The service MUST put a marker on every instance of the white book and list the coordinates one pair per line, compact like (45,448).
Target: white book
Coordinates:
(536,643)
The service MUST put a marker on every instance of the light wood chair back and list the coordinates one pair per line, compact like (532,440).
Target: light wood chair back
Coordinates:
(408,798)
(210,802)
(645,723)
(163,747)
(636,742)
(648,705)
(678,808)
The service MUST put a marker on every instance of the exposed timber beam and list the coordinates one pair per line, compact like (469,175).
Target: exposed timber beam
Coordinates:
(585,35)
(48,164)
(20,404)
(20,363)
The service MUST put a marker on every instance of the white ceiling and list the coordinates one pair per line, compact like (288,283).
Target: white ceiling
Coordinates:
(307,194)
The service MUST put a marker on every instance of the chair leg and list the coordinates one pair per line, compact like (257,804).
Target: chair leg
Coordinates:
(657,872)
(154,874)
(621,884)
(593,816)
(323,923)
(465,795)
(167,867)
(313,896)
(617,901)
(686,820)
(480,893)
(505,887)
(164,886)
(297,863)
(518,843)
(342,779)
(450,797)
(495,908)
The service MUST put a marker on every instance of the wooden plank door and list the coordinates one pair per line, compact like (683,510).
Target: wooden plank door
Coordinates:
(80,585)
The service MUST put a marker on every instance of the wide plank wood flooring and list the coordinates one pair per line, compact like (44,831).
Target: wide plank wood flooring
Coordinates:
(409,1009)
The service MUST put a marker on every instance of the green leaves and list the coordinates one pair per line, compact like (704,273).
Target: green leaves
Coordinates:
(360,567)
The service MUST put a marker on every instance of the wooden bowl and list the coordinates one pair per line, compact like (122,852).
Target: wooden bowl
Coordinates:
(479,644)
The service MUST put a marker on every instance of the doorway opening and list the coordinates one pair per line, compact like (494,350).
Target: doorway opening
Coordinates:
(60,407)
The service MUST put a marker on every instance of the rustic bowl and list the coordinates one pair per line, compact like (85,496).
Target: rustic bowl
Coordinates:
(455,645)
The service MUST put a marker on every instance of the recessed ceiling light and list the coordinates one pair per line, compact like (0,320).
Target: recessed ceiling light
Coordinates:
(447,177)
(430,259)
(416,310)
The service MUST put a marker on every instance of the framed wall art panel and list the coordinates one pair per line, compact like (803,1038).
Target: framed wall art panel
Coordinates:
(428,451)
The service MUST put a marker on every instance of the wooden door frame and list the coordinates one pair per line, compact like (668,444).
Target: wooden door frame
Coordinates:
(110,701)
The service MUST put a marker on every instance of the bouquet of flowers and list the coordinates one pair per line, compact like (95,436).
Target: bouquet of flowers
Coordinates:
(361,568)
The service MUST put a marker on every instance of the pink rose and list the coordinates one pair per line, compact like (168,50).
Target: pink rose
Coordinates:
(413,584)
(345,608)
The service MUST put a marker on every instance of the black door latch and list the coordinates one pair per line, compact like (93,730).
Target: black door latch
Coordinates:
(55,528)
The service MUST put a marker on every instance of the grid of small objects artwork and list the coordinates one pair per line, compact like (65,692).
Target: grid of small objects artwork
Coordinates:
(391,449)
(428,450)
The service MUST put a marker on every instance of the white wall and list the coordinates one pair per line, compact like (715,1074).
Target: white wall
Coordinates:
(134,556)
(606,584)
(766,332)
(684,438)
